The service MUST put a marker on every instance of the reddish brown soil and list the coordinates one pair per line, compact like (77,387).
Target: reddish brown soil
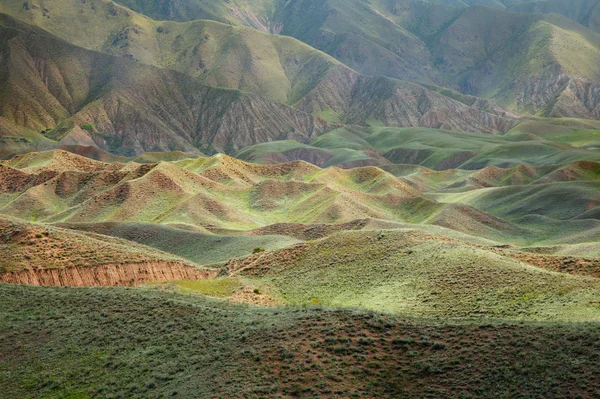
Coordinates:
(563,264)
(107,275)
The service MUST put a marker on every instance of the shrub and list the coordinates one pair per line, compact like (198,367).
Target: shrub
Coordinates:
(90,127)
(258,250)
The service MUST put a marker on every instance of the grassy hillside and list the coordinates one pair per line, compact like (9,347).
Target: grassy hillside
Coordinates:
(423,275)
(198,247)
(586,12)
(28,245)
(536,142)
(76,96)
(118,344)
(279,68)
(522,60)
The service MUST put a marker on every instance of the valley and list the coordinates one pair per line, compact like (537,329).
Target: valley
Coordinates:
(300,198)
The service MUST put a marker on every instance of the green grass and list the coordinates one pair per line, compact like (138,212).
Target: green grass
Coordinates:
(217,288)
(198,247)
(421,275)
(87,343)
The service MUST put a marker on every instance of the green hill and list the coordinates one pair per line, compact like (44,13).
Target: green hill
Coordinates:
(414,273)
(200,248)
(538,142)
(521,205)
(586,12)
(137,343)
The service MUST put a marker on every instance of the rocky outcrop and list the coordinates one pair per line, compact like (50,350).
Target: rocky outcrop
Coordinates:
(107,275)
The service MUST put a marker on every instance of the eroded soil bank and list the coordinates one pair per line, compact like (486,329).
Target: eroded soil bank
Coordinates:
(107,275)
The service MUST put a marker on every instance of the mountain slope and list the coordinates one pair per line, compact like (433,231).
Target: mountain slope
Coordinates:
(90,98)
(524,61)
(276,67)
(77,96)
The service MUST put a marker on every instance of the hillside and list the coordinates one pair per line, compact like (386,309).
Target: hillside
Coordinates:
(51,256)
(76,96)
(533,63)
(276,67)
(536,142)
(138,343)
(79,97)
(416,273)
(585,12)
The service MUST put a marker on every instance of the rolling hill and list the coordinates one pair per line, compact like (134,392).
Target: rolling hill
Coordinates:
(299,198)
(516,205)
(51,256)
(537,142)
(415,273)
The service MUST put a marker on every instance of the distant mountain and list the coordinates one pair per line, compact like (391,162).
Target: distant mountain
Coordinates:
(586,12)
(533,63)
(82,97)
(129,84)
(77,96)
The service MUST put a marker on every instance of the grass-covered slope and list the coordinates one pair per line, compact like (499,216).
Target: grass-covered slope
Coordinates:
(410,272)
(534,63)
(88,343)
(277,67)
(53,90)
(44,255)
(76,96)
(28,245)
(198,247)
(585,12)
(535,142)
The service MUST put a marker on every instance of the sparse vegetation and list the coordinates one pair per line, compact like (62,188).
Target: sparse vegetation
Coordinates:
(87,342)
(90,127)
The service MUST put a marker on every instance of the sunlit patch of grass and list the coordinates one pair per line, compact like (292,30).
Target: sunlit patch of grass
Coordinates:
(218,288)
